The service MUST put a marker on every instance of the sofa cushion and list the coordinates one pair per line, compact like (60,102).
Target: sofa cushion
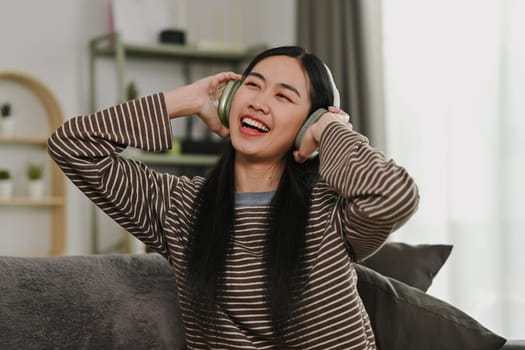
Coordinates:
(91,302)
(415,265)
(407,318)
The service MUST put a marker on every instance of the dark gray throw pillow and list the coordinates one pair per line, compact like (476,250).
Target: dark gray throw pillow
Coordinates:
(415,265)
(407,318)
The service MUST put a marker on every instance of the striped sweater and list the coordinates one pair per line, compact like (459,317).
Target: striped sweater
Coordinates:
(360,200)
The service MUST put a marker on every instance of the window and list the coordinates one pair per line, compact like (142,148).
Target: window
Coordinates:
(455,114)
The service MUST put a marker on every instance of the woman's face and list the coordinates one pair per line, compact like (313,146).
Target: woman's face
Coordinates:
(269,108)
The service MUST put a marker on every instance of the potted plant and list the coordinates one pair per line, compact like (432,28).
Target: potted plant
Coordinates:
(6,184)
(35,177)
(6,120)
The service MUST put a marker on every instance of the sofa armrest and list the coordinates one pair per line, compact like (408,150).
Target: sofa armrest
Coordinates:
(514,345)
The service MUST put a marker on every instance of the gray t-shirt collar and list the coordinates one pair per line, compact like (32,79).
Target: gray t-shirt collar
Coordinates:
(246,199)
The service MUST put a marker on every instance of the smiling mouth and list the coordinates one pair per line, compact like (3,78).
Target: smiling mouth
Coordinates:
(254,124)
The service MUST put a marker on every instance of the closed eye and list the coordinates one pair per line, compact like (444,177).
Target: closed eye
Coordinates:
(283,96)
(251,83)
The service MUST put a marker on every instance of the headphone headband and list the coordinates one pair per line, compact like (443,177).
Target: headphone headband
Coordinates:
(335,91)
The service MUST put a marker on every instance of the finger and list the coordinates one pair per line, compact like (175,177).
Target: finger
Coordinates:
(307,148)
(223,131)
(335,109)
(298,157)
(220,79)
(340,113)
(229,76)
(217,84)
(301,157)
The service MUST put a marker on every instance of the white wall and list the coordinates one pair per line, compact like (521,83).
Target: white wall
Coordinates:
(49,40)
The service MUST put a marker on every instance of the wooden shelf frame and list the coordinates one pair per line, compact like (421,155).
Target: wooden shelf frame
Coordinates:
(32,202)
(57,201)
(24,140)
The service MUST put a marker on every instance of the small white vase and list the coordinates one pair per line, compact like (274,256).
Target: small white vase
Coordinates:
(35,189)
(7,126)
(6,189)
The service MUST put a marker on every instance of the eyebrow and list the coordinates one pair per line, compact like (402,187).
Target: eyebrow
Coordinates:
(284,85)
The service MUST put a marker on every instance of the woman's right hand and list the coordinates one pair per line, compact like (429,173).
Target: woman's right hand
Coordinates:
(312,136)
(201,98)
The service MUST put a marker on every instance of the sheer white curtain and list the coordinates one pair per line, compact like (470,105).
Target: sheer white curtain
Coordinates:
(455,109)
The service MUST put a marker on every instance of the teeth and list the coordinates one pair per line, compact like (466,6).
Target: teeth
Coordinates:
(255,124)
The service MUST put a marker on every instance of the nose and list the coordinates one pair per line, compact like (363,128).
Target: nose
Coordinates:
(259,104)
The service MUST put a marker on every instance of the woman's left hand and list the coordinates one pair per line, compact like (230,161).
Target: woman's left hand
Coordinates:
(312,136)
(200,98)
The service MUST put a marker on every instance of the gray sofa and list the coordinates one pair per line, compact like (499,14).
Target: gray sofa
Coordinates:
(89,302)
(129,302)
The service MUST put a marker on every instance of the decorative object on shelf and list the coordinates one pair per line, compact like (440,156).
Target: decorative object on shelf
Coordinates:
(172,36)
(131,91)
(7,122)
(35,177)
(6,184)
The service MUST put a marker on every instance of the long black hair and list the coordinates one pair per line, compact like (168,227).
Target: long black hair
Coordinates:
(210,241)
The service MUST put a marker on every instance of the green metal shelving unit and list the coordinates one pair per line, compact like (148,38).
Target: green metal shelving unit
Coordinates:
(112,46)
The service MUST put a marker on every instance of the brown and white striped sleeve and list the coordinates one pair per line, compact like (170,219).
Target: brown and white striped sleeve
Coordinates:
(376,195)
(86,149)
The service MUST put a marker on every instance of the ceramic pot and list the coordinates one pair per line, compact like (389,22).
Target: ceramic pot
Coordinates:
(6,189)
(7,126)
(35,189)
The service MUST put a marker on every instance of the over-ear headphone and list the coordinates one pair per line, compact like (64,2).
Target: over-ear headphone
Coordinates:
(231,87)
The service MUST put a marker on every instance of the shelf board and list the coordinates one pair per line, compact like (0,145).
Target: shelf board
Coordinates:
(174,51)
(171,159)
(181,159)
(24,140)
(30,202)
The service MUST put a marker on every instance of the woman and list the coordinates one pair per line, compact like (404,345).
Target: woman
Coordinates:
(263,248)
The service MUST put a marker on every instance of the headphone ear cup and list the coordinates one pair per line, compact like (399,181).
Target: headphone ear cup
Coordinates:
(225,101)
(312,118)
